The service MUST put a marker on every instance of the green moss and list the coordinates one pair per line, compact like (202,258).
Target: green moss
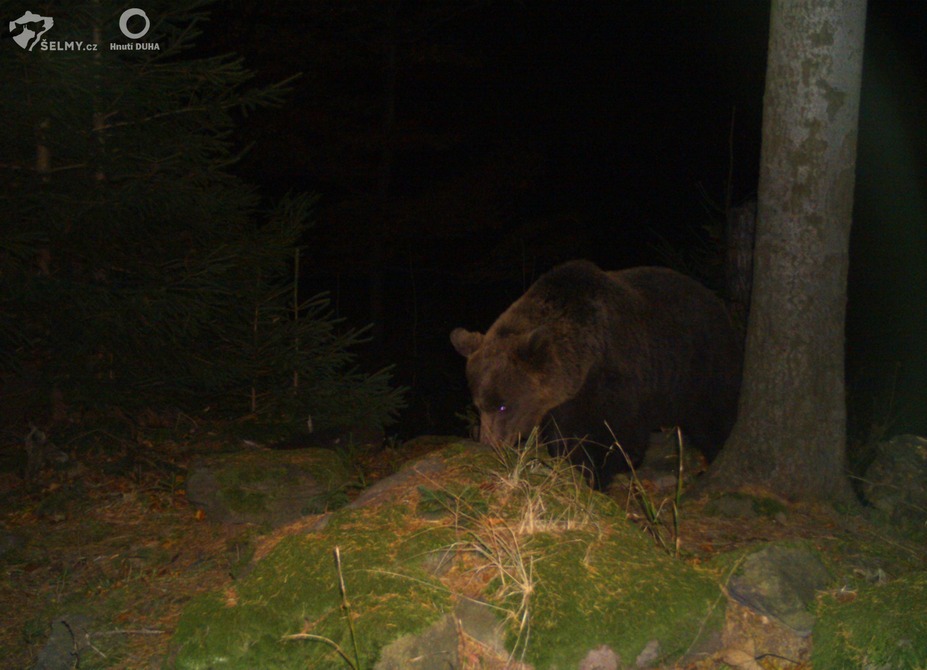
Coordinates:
(462,502)
(592,578)
(885,626)
(615,589)
(243,501)
(295,589)
(251,487)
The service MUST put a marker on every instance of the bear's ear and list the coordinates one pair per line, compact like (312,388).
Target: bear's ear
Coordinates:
(466,342)
(534,348)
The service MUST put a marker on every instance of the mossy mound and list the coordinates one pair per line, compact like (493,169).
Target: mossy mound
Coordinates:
(268,487)
(295,589)
(559,564)
(878,626)
(614,588)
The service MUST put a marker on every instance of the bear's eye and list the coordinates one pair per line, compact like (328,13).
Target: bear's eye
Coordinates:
(494,405)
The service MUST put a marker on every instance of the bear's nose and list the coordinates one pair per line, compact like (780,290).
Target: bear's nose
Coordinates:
(486,433)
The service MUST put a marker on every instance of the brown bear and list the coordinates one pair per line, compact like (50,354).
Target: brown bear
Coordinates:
(596,357)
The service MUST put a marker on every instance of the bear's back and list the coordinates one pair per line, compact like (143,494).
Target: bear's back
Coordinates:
(673,311)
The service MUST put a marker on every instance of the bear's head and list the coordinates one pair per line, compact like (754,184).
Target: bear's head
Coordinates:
(512,377)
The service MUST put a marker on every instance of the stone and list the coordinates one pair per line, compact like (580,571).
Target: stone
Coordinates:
(267,487)
(781,582)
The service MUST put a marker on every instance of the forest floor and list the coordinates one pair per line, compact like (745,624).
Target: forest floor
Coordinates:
(112,539)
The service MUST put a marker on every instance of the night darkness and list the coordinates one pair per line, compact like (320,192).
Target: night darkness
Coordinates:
(465,148)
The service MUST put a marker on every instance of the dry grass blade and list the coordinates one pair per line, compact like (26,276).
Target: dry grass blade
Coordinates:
(346,610)
(504,552)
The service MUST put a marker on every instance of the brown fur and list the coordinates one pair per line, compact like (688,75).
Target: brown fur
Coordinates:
(587,355)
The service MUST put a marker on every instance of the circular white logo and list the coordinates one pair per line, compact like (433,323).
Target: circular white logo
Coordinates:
(124,23)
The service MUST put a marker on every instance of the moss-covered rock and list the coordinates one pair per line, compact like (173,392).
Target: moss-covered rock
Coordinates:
(561,571)
(612,587)
(295,589)
(266,487)
(781,582)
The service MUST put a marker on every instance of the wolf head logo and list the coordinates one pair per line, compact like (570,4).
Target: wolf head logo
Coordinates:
(28,29)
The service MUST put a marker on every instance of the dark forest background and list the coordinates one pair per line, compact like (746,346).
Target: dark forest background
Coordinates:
(461,149)
(449,152)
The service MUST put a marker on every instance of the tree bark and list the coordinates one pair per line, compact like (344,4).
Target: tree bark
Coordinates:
(790,435)
(738,266)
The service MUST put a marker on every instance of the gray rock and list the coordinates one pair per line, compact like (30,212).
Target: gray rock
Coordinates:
(67,639)
(896,481)
(267,487)
(479,621)
(649,654)
(385,489)
(430,465)
(781,582)
(435,648)
(601,658)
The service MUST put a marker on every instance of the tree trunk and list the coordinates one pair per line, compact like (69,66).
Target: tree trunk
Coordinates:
(738,265)
(790,436)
